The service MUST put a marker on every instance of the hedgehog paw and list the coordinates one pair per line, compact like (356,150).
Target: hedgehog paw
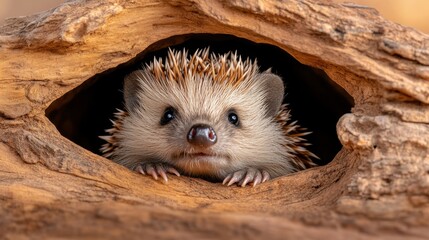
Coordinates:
(248,175)
(156,170)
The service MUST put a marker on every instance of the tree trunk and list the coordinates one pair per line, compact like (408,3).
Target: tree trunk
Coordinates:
(377,185)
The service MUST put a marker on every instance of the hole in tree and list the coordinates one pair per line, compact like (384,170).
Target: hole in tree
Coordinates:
(315,100)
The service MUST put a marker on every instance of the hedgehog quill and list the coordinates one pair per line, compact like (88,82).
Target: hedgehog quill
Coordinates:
(206,115)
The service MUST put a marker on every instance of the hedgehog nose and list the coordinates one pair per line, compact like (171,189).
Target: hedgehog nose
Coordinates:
(202,135)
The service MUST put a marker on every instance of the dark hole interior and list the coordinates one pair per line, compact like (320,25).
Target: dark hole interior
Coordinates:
(315,100)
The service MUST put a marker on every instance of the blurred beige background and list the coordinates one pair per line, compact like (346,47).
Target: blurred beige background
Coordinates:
(413,13)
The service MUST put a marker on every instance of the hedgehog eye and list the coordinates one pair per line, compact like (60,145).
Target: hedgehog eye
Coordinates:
(169,114)
(233,118)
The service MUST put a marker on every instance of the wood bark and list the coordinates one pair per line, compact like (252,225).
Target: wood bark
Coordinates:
(376,187)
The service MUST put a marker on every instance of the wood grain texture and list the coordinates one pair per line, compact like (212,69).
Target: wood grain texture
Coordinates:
(377,186)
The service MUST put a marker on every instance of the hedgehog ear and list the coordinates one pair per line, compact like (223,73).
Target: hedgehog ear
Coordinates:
(131,86)
(274,88)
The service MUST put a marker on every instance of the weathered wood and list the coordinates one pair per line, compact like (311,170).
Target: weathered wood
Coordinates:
(377,186)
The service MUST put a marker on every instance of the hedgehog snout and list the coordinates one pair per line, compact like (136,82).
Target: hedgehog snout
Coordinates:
(202,135)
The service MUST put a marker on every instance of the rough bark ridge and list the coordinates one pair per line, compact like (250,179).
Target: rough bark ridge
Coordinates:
(377,186)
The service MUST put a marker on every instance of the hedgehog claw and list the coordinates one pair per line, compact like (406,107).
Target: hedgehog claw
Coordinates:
(156,170)
(173,171)
(265,176)
(139,169)
(257,179)
(248,175)
(235,176)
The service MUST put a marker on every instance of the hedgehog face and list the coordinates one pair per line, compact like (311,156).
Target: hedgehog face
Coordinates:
(190,126)
(203,123)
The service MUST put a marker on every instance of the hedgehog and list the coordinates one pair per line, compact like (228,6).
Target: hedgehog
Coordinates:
(206,115)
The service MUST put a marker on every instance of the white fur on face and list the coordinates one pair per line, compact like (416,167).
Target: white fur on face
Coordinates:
(257,142)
